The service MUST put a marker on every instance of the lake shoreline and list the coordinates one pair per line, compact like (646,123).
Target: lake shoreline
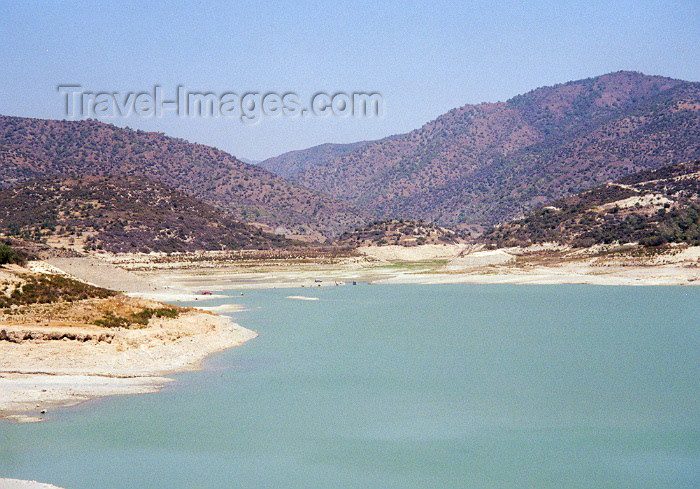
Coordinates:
(505,369)
(429,264)
(204,276)
(24,484)
(37,376)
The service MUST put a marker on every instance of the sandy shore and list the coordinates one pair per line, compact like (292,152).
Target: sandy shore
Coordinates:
(436,264)
(39,375)
(35,376)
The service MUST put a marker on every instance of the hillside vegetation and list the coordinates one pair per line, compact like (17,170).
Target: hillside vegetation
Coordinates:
(289,164)
(491,162)
(122,214)
(650,207)
(33,148)
(402,232)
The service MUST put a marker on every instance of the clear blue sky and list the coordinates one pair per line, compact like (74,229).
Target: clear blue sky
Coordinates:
(423,57)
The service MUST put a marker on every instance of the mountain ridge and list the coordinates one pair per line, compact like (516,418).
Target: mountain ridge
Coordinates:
(290,163)
(122,214)
(38,148)
(491,162)
(651,207)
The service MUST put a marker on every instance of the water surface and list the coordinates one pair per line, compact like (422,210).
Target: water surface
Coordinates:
(449,386)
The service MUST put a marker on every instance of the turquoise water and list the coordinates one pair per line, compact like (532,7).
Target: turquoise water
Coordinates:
(407,387)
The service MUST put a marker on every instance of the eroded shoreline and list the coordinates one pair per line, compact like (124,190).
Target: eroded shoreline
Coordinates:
(39,375)
(33,378)
(429,264)
(23,484)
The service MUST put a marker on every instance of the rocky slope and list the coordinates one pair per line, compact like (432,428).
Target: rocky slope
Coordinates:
(35,148)
(122,214)
(289,164)
(490,162)
(650,207)
(401,232)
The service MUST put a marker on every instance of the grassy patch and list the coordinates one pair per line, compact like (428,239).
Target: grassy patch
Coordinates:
(416,265)
(47,288)
(137,319)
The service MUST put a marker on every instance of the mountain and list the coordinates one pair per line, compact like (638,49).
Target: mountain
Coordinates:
(491,162)
(122,214)
(249,161)
(289,164)
(35,148)
(652,207)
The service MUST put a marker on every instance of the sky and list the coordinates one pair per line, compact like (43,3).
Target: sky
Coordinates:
(424,58)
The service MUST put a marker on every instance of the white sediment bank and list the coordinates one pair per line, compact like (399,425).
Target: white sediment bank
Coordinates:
(39,375)
(20,484)
(134,367)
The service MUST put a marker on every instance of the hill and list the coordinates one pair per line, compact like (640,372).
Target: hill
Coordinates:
(289,164)
(35,148)
(122,214)
(402,232)
(491,162)
(650,207)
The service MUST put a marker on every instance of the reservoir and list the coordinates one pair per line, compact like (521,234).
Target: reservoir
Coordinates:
(406,386)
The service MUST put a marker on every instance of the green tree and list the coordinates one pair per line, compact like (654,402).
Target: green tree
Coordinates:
(7,254)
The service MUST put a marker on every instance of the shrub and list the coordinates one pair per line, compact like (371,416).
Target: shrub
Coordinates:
(7,254)
(140,318)
(47,288)
(112,321)
(653,241)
